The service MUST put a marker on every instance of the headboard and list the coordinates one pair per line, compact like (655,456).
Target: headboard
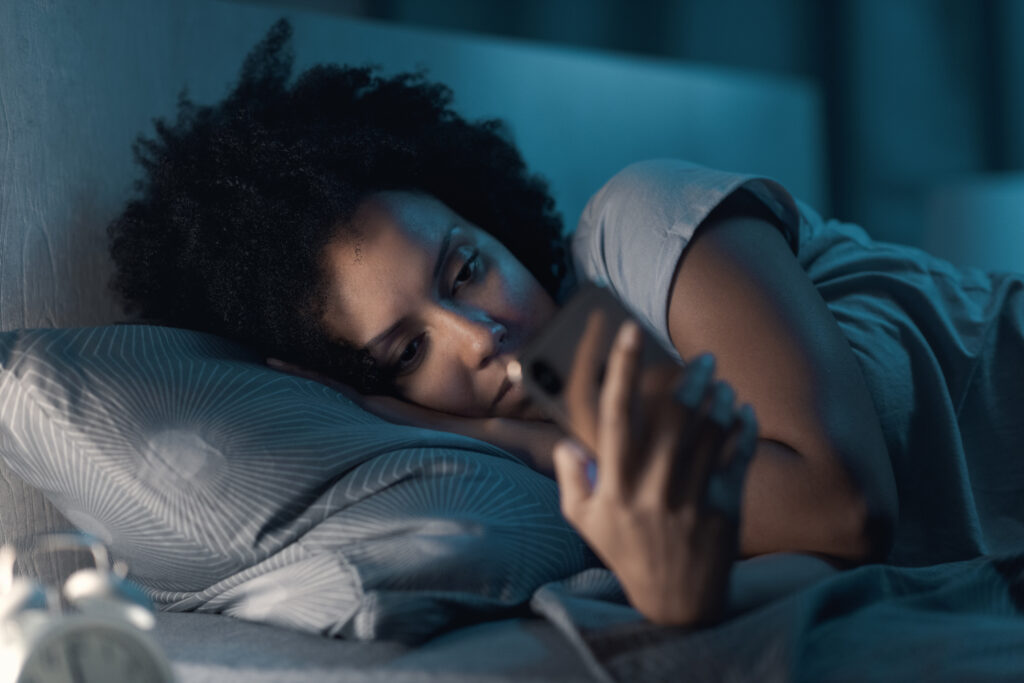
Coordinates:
(79,80)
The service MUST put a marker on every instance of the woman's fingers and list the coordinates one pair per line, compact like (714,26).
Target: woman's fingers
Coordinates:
(571,473)
(676,424)
(615,431)
(281,365)
(693,385)
(401,412)
(298,371)
(724,490)
(705,444)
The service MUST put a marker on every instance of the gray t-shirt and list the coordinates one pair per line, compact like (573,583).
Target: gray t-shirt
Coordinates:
(941,347)
(633,231)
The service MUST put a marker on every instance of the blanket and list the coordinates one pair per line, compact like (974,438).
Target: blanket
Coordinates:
(958,621)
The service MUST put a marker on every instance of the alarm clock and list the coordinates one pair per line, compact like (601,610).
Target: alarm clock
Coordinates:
(93,629)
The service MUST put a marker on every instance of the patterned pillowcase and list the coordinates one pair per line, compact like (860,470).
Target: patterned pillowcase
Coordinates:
(230,487)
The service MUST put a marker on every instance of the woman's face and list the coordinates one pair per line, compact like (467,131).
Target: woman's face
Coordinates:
(439,300)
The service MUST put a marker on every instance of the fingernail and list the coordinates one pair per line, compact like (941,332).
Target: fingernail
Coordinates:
(591,468)
(572,448)
(629,335)
(722,407)
(749,419)
(705,361)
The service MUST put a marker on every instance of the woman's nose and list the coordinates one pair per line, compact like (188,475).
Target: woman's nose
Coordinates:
(484,338)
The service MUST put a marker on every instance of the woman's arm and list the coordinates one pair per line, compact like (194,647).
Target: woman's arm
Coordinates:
(821,480)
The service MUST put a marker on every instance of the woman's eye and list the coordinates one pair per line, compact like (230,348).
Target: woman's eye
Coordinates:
(410,353)
(467,271)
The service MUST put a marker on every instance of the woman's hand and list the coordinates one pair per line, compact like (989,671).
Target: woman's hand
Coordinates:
(671,455)
(532,440)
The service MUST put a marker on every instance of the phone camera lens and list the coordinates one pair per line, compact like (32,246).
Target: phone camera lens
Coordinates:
(546,377)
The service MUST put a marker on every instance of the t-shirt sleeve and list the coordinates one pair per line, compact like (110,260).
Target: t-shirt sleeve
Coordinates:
(634,230)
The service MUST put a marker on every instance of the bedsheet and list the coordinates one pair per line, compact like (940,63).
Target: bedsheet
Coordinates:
(950,622)
(213,648)
(957,621)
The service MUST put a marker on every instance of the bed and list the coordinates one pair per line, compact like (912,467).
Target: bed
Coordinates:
(392,553)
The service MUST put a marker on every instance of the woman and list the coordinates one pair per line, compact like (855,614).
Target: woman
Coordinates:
(362,232)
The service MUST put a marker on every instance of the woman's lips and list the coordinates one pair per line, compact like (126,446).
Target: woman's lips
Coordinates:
(502,390)
(513,401)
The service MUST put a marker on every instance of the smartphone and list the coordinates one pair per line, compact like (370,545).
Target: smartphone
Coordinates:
(546,360)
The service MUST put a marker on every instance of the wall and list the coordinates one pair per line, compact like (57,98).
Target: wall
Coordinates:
(78,83)
(924,97)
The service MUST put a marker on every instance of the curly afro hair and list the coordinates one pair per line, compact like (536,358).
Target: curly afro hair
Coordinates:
(239,199)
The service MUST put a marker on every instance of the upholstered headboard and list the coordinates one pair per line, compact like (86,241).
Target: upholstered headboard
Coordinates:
(79,80)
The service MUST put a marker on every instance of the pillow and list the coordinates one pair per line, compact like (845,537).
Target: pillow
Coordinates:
(231,487)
